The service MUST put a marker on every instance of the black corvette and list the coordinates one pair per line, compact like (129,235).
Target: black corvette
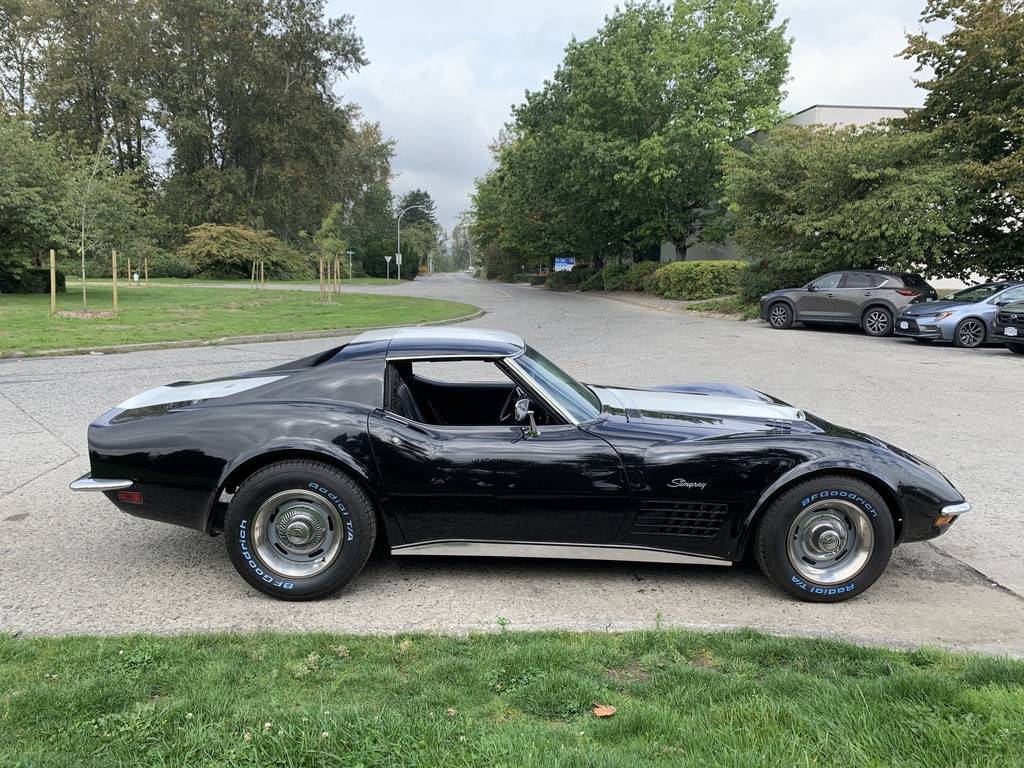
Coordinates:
(305,465)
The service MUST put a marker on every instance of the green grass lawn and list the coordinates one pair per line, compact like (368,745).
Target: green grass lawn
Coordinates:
(160,313)
(508,699)
(243,281)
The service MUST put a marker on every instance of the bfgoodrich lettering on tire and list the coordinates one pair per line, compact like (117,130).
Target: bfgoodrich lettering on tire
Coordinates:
(826,539)
(299,529)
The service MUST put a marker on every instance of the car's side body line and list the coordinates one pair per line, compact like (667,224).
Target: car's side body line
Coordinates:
(560,550)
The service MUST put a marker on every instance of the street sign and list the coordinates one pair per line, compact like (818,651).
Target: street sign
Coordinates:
(398,259)
(388,258)
(564,263)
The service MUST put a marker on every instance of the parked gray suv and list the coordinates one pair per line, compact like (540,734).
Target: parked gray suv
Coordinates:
(865,298)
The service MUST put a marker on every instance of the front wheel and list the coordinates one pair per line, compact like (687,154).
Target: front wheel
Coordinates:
(877,321)
(1016,347)
(780,316)
(825,540)
(299,529)
(970,333)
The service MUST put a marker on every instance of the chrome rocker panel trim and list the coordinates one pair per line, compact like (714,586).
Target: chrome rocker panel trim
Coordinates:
(87,483)
(623,552)
(956,509)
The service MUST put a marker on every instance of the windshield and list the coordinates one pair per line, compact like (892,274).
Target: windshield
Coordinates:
(578,401)
(976,293)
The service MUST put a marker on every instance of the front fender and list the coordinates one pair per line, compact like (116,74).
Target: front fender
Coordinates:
(807,470)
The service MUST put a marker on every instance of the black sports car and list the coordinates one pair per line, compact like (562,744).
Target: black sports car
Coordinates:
(305,465)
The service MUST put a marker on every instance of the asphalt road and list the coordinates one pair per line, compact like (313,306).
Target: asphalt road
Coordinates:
(71,563)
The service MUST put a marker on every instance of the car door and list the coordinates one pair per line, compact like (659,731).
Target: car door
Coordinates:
(817,302)
(856,290)
(495,482)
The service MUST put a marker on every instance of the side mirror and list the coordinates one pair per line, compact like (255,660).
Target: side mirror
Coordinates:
(523,412)
(811,288)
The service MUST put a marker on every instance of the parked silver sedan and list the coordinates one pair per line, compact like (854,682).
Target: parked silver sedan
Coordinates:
(964,317)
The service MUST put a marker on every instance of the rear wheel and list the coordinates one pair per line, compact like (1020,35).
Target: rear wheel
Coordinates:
(780,316)
(970,333)
(1016,347)
(299,529)
(877,321)
(825,540)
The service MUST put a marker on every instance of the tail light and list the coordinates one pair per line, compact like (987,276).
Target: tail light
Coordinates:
(907,292)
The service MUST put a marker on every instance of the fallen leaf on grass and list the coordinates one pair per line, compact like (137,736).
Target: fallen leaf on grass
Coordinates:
(604,710)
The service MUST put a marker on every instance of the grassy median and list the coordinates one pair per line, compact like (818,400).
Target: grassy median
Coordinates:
(505,699)
(160,313)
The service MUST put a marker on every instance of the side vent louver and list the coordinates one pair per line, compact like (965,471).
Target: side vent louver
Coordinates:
(675,518)
(779,427)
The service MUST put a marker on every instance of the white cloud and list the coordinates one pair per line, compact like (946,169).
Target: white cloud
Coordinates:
(443,75)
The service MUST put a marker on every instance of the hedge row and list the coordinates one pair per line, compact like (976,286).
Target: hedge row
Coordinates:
(32,280)
(688,280)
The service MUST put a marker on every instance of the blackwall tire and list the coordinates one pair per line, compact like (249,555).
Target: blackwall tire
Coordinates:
(877,321)
(299,529)
(970,333)
(780,316)
(825,540)
(1016,347)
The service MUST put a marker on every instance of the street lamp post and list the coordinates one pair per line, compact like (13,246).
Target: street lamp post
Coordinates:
(398,255)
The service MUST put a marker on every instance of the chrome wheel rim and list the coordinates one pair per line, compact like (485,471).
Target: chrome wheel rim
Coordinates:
(877,322)
(830,541)
(297,533)
(971,333)
(779,315)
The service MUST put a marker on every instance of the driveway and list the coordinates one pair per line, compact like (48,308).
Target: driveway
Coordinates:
(71,563)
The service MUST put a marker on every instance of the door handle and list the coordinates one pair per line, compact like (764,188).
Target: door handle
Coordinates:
(830,295)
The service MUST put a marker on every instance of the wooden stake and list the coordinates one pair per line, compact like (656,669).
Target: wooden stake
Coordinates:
(113,271)
(321,281)
(337,275)
(145,269)
(252,280)
(53,283)
(263,279)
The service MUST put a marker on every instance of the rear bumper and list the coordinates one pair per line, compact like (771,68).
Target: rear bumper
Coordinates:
(89,483)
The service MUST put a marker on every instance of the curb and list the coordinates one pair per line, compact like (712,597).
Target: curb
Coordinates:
(116,349)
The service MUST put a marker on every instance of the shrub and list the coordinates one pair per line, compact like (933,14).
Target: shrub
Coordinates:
(219,251)
(614,276)
(697,279)
(762,277)
(638,275)
(167,264)
(33,280)
(572,280)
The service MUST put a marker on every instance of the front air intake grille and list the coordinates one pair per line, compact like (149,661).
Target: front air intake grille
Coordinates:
(679,518)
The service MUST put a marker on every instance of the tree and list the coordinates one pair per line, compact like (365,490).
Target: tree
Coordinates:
(622,149)
(807,200)
(228,252)
(426,210)
(22,25)
(463,252)
(33,198)
(975,103)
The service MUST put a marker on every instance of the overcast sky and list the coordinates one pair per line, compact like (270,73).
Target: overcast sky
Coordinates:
(443,75)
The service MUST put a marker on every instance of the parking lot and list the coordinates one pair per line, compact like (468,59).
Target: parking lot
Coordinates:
(72,563)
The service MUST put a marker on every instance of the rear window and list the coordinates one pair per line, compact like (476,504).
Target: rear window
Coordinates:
(909,278)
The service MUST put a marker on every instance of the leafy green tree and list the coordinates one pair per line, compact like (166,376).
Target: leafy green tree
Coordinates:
(975,103)
(220,251)
(622,149)
(33,198)
(22,25)
(811,200)
(463,251)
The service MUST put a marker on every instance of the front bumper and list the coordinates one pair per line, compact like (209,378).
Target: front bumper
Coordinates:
(916,329)
(89,483)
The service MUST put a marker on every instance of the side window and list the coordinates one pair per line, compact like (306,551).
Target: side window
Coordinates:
(1012,295)
(463,393)
(828,281)
(862,280)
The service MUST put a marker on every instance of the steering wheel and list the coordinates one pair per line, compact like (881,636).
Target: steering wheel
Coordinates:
(508,409)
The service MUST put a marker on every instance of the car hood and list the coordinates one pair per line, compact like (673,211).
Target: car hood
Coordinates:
(934,307)
(698,401)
